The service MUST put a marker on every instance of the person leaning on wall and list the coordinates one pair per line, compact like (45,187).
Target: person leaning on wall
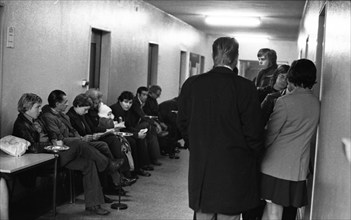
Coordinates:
(291,126)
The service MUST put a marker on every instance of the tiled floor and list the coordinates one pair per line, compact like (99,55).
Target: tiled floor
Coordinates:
(164,195)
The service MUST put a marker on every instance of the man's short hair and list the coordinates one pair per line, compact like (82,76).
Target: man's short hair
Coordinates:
(27,101)
(302,73)
(154,88)
(125,95)
(225,50)
(82,100)
(142,89)
(54,97)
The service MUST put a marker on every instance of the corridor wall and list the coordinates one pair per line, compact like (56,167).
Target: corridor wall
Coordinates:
(331,194)
(52,48)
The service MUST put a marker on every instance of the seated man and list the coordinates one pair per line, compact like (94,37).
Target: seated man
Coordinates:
(121,111)
(86,160)
(151,108)
(60,129)
(168,111)
(138,119)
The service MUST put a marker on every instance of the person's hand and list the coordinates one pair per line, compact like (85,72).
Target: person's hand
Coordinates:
(142,133)
(57,142)
(119,124)
(87,138)
(96,136)
(158,128)
(111,130)
(163,126)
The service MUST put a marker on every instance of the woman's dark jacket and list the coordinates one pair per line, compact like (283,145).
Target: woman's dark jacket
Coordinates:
(267,105)
(25,129)
(93,119)
(264,76)
(79,122)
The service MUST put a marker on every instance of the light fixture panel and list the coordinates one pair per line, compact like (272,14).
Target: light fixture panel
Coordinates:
(233,21)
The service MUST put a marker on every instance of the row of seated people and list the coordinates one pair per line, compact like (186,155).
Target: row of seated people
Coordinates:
(163,117)
(93,149)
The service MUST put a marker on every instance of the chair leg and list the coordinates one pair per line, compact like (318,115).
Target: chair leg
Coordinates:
(54,187)
(72,187)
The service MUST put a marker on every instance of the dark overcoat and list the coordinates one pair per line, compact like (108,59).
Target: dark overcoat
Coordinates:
(220,114)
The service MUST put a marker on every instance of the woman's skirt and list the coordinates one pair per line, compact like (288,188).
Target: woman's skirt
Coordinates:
(283,192)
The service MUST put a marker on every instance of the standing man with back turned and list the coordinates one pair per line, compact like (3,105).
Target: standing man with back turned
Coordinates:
(219,114)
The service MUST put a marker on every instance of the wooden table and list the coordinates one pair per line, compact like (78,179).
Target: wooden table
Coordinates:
(10,166)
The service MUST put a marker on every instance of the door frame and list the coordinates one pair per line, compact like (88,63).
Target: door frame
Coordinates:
(2,40)
(105,59)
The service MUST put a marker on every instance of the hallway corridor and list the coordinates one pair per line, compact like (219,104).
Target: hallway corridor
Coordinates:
(164,195)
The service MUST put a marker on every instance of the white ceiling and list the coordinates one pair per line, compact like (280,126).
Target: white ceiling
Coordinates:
(279,19)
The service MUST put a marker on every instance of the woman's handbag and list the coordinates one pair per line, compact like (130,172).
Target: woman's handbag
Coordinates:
(14,146)
(127,151)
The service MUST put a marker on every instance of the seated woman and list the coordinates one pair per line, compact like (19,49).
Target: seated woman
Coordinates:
(121,111)
(290,129)
(79,121)
(78,157)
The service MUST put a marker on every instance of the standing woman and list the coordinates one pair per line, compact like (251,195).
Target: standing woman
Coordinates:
(289,131)
(267,58)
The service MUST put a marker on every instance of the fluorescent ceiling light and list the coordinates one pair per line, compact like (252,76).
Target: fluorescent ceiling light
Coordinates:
(233,21)
(251,38)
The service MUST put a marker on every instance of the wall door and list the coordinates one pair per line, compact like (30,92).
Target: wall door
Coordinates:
(249,68)
(1,45)
(95,58)
(100,56)
(152,64)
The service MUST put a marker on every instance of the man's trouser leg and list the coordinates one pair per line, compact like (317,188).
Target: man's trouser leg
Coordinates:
(92,189)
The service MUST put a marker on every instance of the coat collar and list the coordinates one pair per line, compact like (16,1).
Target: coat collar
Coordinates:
(300,90)
(222,69)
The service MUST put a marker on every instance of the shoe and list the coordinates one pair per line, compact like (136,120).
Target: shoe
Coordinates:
(163,153)
(156,163)
(97,210)
(148,168)
(142,172)
(173,156)
(133,175)
(108,200)
(128,182)
(114,165)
